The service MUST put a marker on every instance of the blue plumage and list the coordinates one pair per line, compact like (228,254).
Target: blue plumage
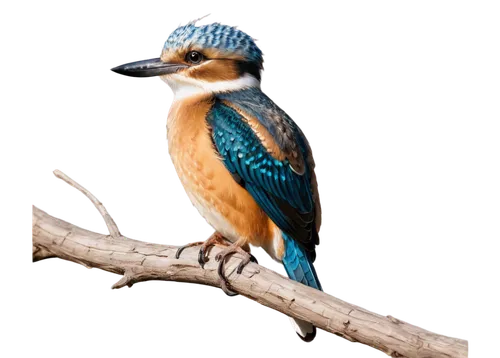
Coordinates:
(298,264)
(254,102)
(283,194)
(218,36)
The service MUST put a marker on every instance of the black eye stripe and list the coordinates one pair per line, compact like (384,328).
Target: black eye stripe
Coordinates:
(250,68)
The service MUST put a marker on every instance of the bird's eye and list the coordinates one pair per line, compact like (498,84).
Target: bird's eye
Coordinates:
(194,57)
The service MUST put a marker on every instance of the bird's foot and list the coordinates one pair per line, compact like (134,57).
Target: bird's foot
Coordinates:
(221,258)
(215,239)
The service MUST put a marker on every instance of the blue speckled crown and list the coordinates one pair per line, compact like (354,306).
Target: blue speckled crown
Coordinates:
(218,36)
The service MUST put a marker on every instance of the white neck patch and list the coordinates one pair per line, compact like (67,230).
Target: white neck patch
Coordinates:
(184,87)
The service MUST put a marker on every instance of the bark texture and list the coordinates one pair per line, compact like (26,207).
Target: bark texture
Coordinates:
(139,261)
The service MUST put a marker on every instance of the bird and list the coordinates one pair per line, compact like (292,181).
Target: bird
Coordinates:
(244,163)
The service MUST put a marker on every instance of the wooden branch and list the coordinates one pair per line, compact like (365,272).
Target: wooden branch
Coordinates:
(140,261)
(110,223)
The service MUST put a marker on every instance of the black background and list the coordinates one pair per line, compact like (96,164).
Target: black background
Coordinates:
(378,93)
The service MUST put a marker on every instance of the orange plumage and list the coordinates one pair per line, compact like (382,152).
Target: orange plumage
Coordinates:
(226,206)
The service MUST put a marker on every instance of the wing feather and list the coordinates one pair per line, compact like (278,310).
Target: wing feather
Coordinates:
(284,194)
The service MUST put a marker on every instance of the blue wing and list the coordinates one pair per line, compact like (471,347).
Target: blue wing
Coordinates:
(282,188)
(283,194)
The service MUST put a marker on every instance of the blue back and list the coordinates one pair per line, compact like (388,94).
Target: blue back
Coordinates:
(284,194)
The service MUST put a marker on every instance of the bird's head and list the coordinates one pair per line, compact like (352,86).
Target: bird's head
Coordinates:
(200,59)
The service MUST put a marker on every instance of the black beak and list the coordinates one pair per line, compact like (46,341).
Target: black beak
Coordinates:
(148,68)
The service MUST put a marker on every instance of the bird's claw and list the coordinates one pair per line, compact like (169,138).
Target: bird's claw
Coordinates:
(242,264)
(221,259)
(218,239)
(201,258)
(215,239)
(180,249)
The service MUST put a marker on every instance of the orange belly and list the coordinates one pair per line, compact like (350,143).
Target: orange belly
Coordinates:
(226,206)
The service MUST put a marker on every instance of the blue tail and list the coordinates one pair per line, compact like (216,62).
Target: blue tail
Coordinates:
(298,264)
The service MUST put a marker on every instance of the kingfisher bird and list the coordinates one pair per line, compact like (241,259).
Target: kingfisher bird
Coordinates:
(244,163)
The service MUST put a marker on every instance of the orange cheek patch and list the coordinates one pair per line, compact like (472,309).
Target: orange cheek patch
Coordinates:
(213,71)
(217,66)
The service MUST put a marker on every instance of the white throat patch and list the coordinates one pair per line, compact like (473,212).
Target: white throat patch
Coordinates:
(184,87)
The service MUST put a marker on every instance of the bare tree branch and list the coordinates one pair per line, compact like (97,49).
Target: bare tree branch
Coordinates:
(138,261)
(112,227)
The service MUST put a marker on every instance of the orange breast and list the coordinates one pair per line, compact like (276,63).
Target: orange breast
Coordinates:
(228,207)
